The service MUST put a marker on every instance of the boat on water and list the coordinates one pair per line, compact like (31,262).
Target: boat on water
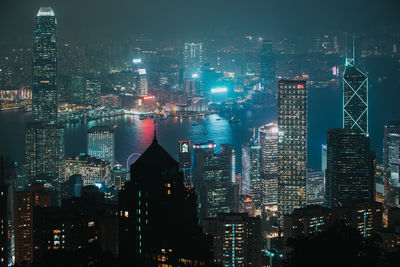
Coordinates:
(234,119)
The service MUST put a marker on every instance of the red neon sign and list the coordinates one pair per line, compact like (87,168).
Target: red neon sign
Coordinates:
(300,86)
(148,97)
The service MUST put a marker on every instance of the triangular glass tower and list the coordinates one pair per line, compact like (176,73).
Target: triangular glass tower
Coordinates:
(355,98)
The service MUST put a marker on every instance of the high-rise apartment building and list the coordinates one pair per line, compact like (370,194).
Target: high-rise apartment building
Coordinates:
(391,161)
(237,239)
(350,170)
(101,143)
(24,204)
(292,146)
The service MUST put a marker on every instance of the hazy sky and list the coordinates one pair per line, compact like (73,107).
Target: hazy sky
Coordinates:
(118,18)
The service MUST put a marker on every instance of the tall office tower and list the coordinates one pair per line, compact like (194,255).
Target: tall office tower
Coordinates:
(192,58)
(77,90)
(324,152)
(315,188)
(391,161)
(158,221)
(251,171)
(269,162)
(292,146)
(185,162)
(101,143)
(44,67)
(350,171)
(44,153)
(215,177)
(142,82)
(4,217)
(24,203)
(355,98)
(92,93)
(267,65)
(237,239)
(93,170)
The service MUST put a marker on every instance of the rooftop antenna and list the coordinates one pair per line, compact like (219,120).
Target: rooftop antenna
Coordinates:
(350,61)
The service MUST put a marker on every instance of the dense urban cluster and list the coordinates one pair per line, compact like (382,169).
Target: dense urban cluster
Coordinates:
(199,209)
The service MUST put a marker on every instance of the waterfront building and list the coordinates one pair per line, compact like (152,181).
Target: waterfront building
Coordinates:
(92,170)
(101,143)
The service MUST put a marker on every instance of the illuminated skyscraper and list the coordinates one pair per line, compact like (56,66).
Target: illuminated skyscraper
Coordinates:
(44,139)
(350,169)
(101,143)
(269,162)
(323,158)
(92,93)
(391,161)
(185,162)
(44,67)
(292,146)
(355,98)
(267,64)
(251,171)
(192,58)
(215,176)
(44,153)
(142,82)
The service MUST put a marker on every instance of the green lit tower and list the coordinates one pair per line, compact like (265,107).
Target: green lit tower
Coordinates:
(44,67)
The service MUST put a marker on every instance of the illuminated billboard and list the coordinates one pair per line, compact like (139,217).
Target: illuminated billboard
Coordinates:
(142,71)
(219,90)
(184,146)
(137,60)
(148,97)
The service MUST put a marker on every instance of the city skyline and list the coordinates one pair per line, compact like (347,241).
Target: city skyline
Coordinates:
(219,147)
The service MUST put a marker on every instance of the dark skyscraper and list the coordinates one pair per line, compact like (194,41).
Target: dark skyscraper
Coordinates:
(214,176)
(158,221)
(292,146)
(267,65)
(4,217)
(349,174)
(391,161)
(44,67)
(355,99)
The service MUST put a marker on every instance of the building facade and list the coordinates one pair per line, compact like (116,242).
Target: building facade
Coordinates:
(44,67)
(391,161)
(101,143)
(237,239)
(350,170)
(292,146)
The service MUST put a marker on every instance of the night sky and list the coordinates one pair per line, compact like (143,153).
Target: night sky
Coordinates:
(187,18)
